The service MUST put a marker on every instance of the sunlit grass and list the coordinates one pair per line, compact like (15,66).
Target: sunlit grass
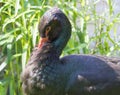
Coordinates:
(19,34)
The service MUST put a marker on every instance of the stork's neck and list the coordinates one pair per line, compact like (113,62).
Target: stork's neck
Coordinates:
(47,53)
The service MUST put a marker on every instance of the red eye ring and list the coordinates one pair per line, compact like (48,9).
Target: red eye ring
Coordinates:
(47,31)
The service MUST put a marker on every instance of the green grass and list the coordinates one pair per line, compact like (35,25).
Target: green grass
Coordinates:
(19,34)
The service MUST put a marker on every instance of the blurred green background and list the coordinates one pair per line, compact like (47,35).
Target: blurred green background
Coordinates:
(92,33)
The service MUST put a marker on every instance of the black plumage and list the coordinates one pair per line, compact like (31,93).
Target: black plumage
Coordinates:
(48,74)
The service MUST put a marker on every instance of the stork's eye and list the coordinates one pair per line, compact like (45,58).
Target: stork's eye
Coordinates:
(47,30)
